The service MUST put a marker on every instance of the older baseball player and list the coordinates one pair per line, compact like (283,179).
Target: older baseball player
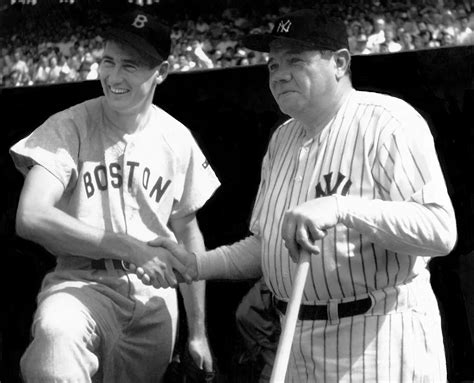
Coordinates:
(353,177)
(103,178)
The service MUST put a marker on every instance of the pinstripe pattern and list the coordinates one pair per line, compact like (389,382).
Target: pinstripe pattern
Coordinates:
(364,151)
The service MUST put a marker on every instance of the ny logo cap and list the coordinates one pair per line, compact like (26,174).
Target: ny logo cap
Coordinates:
(308,26)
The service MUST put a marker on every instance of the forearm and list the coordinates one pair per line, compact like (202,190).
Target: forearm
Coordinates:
(241,260)
(400,226)
(63,234)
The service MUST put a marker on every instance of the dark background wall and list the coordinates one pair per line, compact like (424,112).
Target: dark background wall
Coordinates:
(232,114)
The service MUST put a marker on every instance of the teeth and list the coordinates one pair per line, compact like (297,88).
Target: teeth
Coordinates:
(118,90)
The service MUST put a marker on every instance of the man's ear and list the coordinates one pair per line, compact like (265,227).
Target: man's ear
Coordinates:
(342,59)
(162,72)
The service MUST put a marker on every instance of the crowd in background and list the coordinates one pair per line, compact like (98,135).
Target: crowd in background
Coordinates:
(65,43)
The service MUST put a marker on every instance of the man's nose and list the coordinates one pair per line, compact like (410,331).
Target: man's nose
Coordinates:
(280,74)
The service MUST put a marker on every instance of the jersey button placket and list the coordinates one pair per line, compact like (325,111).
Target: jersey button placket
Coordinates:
(302,156)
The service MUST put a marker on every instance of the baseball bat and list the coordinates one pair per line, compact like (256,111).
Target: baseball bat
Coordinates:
(289,323)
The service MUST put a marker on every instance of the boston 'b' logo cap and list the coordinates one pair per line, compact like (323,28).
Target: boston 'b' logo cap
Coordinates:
(307,26)
(142,31)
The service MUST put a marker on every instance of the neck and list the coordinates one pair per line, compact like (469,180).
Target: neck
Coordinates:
(128,123)
(316,121)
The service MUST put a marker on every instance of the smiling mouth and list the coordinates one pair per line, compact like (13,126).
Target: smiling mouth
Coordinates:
(118,91)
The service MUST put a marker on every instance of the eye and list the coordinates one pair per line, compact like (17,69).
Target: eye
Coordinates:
(130,68)
(106,62)
(295,60)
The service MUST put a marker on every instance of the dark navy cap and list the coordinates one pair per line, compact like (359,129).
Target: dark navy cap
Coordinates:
(142,31)
(307,26)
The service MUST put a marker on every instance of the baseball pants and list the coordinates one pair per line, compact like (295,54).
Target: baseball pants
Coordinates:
(100,326)
(404,344)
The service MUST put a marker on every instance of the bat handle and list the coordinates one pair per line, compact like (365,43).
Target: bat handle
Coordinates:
(289,323)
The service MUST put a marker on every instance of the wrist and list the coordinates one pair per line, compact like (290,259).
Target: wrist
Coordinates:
(197,335)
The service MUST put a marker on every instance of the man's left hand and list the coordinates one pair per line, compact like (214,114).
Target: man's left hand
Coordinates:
(307,223)
(201,353)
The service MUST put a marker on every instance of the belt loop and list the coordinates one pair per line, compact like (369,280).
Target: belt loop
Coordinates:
(333,312)
(109,266)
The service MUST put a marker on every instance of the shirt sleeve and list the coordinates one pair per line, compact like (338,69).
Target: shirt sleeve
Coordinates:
(197,182)
(261,192)
(415,215)
(241,260)
(54,145)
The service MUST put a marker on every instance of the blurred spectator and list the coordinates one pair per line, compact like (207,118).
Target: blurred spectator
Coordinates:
(464,30)
(41,72)
(361,45)
(89,68)
(225,42)
(378,36)
(447,39)
(20,69)
(199,57)
(406,40)
(65,45)
(354,32)
(448,24)
(390,45)
(55,70)
(64,68)
(73,64)
(427,40)
(201,25)
(183,63)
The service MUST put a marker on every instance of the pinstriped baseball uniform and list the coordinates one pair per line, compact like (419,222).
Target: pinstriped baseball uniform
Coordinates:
(377,156)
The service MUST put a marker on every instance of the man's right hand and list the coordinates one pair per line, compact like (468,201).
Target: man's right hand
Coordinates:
(184,257)
(159,267)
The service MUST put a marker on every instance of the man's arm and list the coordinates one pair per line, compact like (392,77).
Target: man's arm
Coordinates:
(401,226)
(38,219)
(241,260)
(188,233)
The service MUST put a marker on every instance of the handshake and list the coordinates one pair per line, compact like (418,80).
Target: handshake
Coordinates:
(167,263)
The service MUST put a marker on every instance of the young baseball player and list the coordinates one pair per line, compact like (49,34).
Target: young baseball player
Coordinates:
(103,178)
(352,177)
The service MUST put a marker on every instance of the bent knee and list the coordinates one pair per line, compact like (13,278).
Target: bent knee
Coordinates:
(63,325)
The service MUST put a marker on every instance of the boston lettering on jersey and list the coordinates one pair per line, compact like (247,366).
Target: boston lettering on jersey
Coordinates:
(328,181)
(98,179)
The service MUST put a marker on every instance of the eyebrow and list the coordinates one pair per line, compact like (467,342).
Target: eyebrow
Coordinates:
(125,61)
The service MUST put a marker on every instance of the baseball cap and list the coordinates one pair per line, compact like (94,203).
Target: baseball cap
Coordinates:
(307,26)
(143,31)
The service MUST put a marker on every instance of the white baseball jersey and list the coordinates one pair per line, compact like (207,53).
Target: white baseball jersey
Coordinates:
(377,155)
(122,183)
(125,183)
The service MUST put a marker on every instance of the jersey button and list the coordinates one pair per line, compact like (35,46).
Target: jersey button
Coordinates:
(298,178)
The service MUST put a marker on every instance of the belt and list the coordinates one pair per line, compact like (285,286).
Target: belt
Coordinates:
(99,264)
(320,312)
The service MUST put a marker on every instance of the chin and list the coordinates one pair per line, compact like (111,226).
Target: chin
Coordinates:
(288,109)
